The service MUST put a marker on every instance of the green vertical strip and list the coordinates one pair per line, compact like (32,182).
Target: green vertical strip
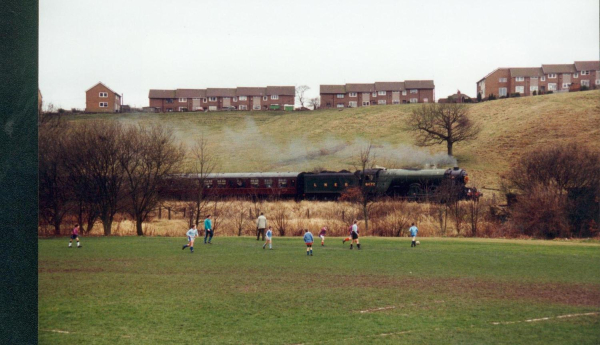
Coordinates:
(18,171)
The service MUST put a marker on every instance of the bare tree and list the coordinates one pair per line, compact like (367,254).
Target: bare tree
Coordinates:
(150,155)
(446,122)
(314,102)
(281,218)
(95,153)
(203,164)
(300,90)
(366,161)
(53,177)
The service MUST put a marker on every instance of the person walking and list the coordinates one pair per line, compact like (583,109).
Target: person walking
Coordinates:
(322,235)
(75,236)
(354,234)
(261,225)
(191,234)
(269,236)
(308,239)
(413,232)
(208,229)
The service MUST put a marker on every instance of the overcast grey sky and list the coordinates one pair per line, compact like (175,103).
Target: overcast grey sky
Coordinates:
(133,46)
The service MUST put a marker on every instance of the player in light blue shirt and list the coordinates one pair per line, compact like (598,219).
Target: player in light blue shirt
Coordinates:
(413,232)
(308,239)
(191,234)
(269,236)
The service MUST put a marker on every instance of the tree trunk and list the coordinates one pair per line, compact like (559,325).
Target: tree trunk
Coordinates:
(107,224)
(138,227)
(57,227)
(449,144)
(366,215)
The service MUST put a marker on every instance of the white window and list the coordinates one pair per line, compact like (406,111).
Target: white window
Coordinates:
(235,99)
(274,96)
(381,101)
(212,99)
(243,107)
(425,100)
(103,104)
(395,101)
(183,100)
(414,91)
(243,98)
(566,85)
(520,79)
(103,94)
(575,75)
(414,100)
(204,100)
(585,72)
(353,94)
(374,94)
(543,78)
(520,89)
(502,80)
(381,93)
(533,88)
(597,81)
(352,104)
(365,104)
(403,92)
(182,109)
(226,98)
(340,95)
(586,83)
(340,105)
(197,108)
(552,76)
(551,86)
(265,98)
(501,92)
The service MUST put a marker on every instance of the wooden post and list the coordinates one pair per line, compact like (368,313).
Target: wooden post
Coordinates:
(184,212)
(308,213)
(159,212)
(168,208)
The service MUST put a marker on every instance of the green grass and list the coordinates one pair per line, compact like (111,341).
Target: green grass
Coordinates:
(447,291)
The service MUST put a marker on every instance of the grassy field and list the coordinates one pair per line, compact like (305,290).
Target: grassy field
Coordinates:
(300,141)
(129,290)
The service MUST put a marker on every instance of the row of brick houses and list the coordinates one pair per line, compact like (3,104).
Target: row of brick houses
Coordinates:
(240,98)
(504,82)
(379,93)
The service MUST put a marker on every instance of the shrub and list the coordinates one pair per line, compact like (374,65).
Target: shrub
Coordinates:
(549,92)
(584,88)
(534,92)
(491,97)
(515,94)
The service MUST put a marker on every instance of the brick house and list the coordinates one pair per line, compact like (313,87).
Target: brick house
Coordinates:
(504,82)
(101,99)
(458,97)
(241,98)
(379,93)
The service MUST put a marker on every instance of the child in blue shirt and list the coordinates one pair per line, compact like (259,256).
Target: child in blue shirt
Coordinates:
(413,232)
(308,239)
(191,234)
(269,236)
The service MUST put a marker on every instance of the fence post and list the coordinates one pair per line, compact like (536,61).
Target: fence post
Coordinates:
(308,213)
(159,212)
(169,209)
(184,212)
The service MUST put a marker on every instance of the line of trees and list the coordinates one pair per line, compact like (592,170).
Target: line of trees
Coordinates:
(94,169)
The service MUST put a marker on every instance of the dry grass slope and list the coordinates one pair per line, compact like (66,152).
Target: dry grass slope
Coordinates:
(300,141)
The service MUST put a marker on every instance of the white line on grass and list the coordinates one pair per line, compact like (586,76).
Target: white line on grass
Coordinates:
(545,318)
(393,307)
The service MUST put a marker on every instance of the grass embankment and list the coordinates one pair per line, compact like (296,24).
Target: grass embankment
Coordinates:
(148,291)
(300,141)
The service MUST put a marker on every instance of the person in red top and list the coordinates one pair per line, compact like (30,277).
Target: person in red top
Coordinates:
(322,235)
(75,236)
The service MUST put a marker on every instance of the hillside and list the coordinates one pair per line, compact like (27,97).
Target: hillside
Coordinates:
(301,141)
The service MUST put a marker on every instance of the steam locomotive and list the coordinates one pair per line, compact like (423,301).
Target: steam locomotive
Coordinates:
(417,184)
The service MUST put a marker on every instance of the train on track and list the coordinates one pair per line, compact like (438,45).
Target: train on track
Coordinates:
(414,184)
